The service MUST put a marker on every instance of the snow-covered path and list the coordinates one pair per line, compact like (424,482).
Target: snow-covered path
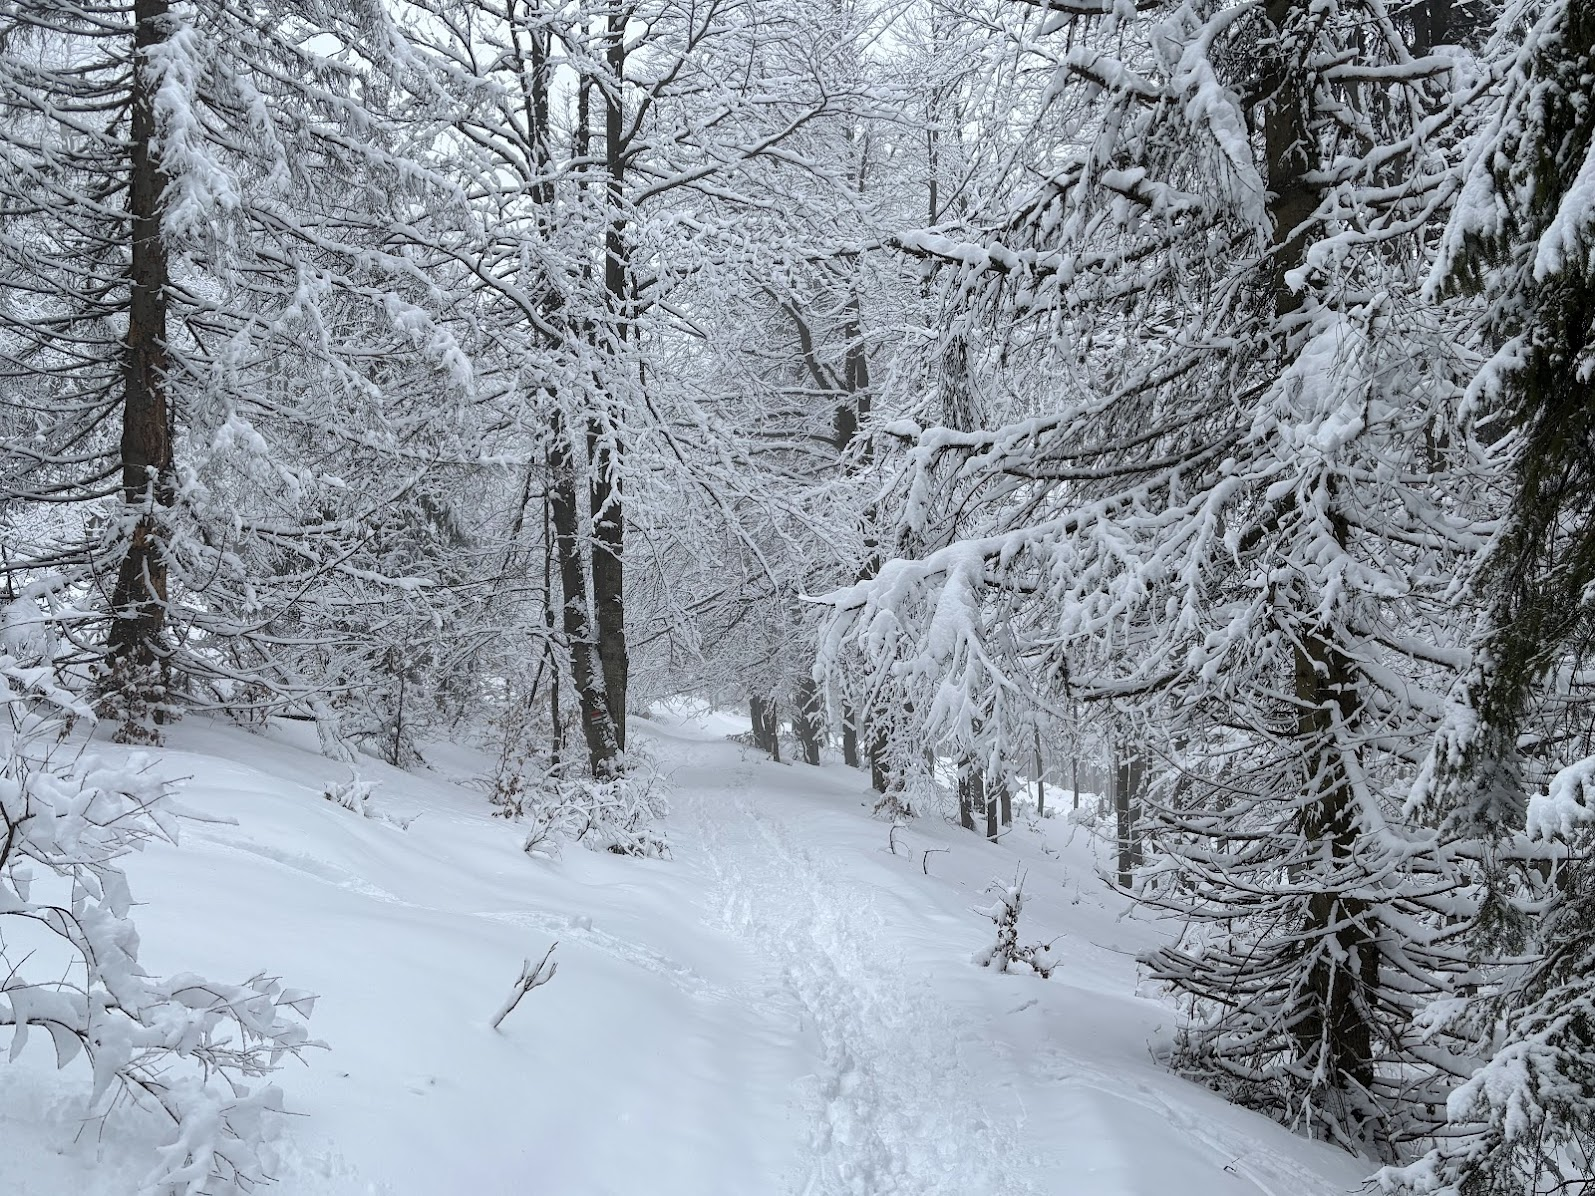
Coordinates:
(783,1008)
(929,1075)
(891,1105)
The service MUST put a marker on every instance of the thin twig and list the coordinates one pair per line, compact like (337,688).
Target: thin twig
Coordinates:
(530,978)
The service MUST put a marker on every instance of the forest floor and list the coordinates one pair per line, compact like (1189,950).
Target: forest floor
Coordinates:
(782,1008)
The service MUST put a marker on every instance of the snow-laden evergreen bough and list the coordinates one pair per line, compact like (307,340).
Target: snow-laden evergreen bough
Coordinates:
(1515,756)
(191,1050)
(222,391)
(1237,525)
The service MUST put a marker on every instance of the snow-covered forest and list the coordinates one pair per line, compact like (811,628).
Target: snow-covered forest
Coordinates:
(993,594)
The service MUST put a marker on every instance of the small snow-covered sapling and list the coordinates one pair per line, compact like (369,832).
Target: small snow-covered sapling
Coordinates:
(1006,951)
(530,978)
(355,795)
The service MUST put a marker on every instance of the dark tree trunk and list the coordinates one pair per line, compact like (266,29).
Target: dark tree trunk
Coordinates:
(1126,790)
(138,600)
(531,49)
(598,725)
(1333,1022)
(808,721)
(969,797)
(850,415)
(1006,802)
(764,713)
(879,776)
(1041,777)
(608,512)
(1431,25)
(850,755)
(556,740)
(609,602)
(1288,145)
(989,799)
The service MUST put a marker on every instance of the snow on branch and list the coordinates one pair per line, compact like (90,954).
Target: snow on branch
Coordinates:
(184,1045)
(1093,8)
(1567,804)
(529,979)
(1003,954)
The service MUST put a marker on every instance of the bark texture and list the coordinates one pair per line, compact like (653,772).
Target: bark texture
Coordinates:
(138,599)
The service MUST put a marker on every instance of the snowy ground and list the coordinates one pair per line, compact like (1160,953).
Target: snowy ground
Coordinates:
(784,1007)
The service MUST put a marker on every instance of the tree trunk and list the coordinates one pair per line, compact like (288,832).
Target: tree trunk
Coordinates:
(609,600)
(880,778)
(598,725)
(1288,143)
(993,830)
(850,755)
(808,722)
(556,735)
(608,511)
(1126,788)
(1332,1024)
(765,716)
(138,600)
(531,49)
(1006,802)
(1041,776)
(1431,25)
(969,784)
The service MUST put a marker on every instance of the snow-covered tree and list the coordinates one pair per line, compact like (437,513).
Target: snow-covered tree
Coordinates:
(1518,747)
(215,373)
(1235,521)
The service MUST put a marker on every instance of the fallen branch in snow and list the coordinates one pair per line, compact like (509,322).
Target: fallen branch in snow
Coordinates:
(530,978)
(924,859)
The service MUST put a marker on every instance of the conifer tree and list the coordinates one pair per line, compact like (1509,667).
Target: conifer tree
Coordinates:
(1515,756)
(197,321)
(1224,524)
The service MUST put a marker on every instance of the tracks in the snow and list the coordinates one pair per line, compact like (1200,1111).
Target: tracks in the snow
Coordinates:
(893,1111)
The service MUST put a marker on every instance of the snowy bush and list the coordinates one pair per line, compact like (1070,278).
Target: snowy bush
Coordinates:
(619,814)
(911,790)
(182,1046)
(135,699)
(355,795)
(1007,951)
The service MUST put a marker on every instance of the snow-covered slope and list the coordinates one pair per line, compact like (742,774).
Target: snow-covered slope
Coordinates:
(784,1006)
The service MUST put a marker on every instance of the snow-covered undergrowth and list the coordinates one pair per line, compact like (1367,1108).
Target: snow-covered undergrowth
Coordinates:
(782,1006)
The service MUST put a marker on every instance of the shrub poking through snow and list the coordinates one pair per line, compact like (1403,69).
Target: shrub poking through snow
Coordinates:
(1007,951)
(355,795)
(618,814)
(181,1046)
